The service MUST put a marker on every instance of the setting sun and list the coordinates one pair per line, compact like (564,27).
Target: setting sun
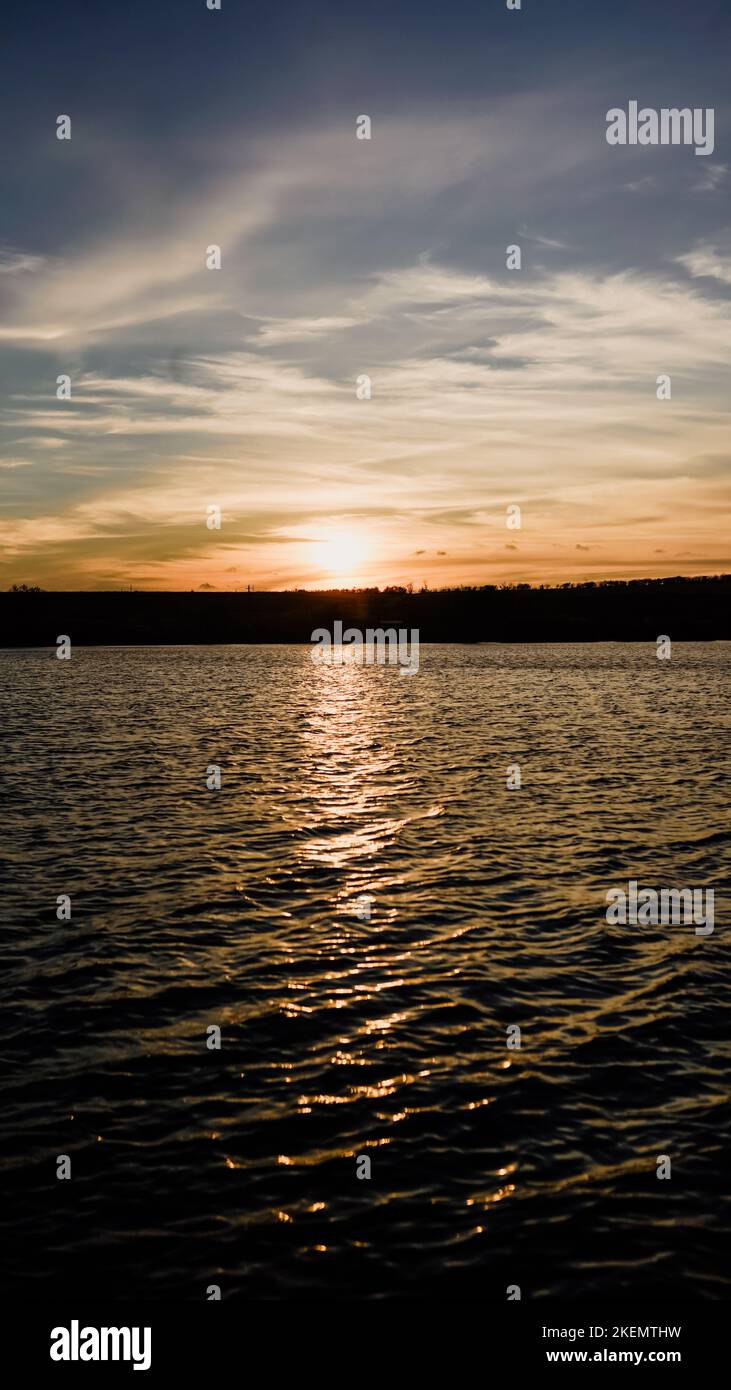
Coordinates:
(341,555)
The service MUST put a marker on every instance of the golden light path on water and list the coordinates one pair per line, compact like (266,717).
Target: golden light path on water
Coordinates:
(365,909)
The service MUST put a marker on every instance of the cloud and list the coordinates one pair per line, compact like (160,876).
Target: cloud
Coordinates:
(279,331)
(548,242)
(711,178)
(18,262)
(710,261)
(646,184)
(151,268)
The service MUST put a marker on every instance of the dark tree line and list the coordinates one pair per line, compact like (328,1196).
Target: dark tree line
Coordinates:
(605,610)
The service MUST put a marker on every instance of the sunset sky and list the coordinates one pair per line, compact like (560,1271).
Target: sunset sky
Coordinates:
(341,257)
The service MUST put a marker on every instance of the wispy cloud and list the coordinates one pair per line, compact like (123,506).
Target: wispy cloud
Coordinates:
(712,177)
(711,261)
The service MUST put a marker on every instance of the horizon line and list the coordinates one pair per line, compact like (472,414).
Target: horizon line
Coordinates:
(407,589)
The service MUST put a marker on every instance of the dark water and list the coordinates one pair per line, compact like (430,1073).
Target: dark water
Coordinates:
(343,1037)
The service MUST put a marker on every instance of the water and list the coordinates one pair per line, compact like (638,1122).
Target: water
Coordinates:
(343,1037)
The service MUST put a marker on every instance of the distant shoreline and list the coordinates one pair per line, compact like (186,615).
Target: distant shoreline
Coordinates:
(638,610)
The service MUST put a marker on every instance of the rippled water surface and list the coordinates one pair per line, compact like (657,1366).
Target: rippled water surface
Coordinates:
(344,1037)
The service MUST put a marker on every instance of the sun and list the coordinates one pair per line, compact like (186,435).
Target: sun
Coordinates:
(341,554)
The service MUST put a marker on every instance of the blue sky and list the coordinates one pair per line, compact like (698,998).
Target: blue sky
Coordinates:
(237,387)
